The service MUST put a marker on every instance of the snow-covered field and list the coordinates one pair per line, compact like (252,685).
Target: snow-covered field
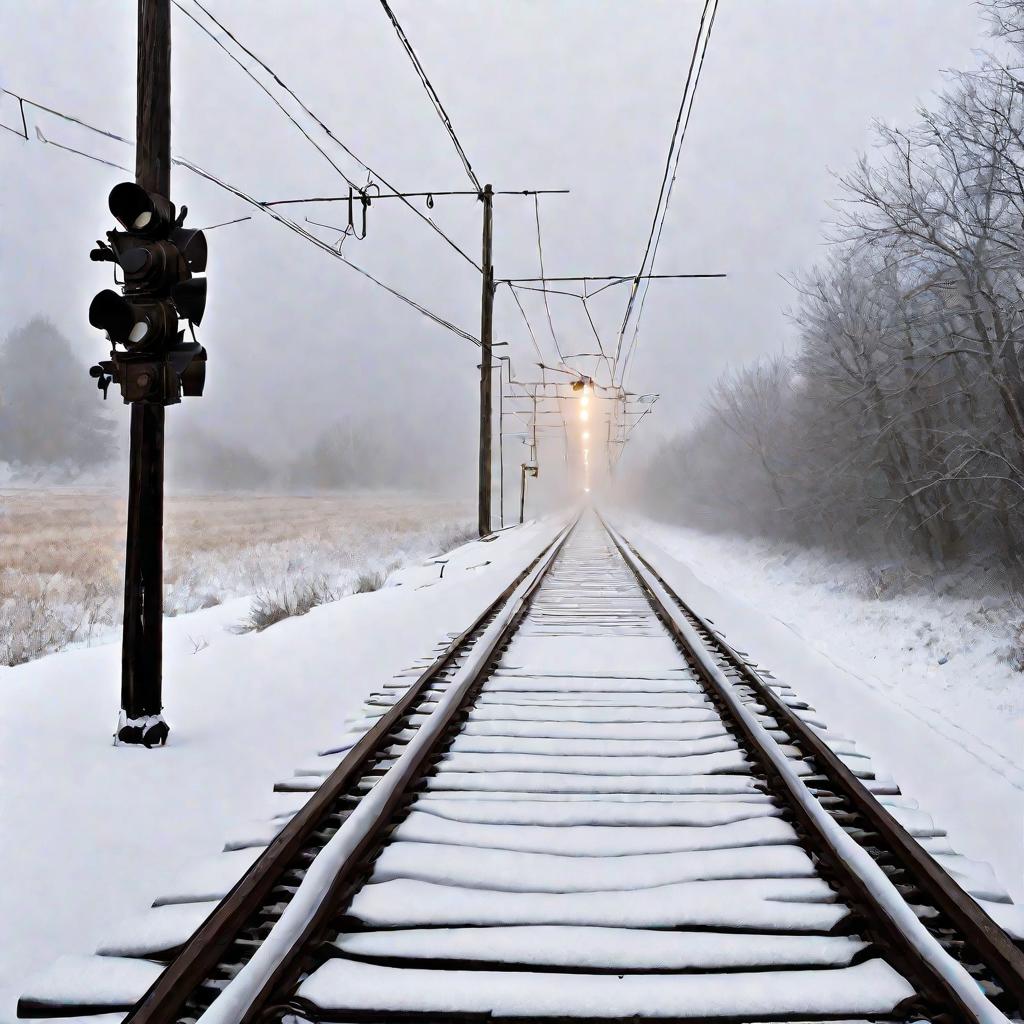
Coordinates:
(62,557)
(922,680)
(92,832)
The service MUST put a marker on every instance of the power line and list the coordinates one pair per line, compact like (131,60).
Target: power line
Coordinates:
(432,93)
(526,320)
(643,298)
(414,195)
(225,223)
(79,152)
(540,257)
(280,106)
(615,278)
(542,291)
(240,194)
(404,197)
(671,160)
(336,253)
(330,134)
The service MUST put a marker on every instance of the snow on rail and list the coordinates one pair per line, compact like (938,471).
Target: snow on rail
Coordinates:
(854,855)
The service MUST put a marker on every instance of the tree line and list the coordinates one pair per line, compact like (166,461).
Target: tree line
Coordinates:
(54,427)
(899,423)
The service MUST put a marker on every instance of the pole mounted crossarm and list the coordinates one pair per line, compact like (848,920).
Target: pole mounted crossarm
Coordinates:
(609,277)
(433,194)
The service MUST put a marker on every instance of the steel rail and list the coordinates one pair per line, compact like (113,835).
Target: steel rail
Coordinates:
(166,999)
(1002,956)
(1000,952)
(286,973)
(193,962)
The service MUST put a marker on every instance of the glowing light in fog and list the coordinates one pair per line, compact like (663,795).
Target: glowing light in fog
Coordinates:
(584,415)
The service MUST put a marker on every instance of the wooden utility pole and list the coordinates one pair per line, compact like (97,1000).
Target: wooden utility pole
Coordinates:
(501,442)
(142,647)
(486,327)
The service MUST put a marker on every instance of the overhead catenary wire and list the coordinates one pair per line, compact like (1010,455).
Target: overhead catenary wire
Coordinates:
(321,244)
(81,152)
(245,197)
(432,94)
(543,291)
(540,259)
(420,195)
(316,119)
(614,278)
(23,134)
(428,86)
(526,320)
(643,298)
(225,223)
(280,106)
(671,162)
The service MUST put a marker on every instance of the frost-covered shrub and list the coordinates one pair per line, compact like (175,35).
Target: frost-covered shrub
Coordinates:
(455,537)
(371,579)
(1013,652)
(885,582)
(296,598)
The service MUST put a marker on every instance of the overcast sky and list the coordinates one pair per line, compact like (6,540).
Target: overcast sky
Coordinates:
(579,94)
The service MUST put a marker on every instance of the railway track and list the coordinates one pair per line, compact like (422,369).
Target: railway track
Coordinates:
(588,807)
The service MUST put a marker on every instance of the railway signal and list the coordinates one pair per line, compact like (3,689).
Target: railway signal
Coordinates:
(151,363)
(158,258)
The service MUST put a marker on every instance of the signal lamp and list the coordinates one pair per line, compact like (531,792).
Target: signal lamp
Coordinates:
(139,211)
(129,324)
(577,385)
(191,243)
(112,313)
(189,298)
(189,363)
(149,268)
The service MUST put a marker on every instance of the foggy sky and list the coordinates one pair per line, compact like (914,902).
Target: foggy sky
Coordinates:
(561,93)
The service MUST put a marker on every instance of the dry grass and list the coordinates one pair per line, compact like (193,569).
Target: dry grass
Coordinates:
(62,559)
(371,580)
(293,598)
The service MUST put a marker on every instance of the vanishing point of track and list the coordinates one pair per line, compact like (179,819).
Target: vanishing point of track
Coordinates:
(589,807)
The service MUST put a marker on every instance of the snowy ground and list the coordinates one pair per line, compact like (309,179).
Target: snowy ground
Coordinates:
(91,832)
(920,680)
(62,561)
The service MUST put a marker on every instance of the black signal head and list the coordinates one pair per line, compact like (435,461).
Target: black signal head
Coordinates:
(112,313)
(148,326)
(191,243)
(189,299)
(139,211)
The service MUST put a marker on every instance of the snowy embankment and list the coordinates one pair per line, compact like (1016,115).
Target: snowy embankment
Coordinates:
(93,832)
(920,681)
